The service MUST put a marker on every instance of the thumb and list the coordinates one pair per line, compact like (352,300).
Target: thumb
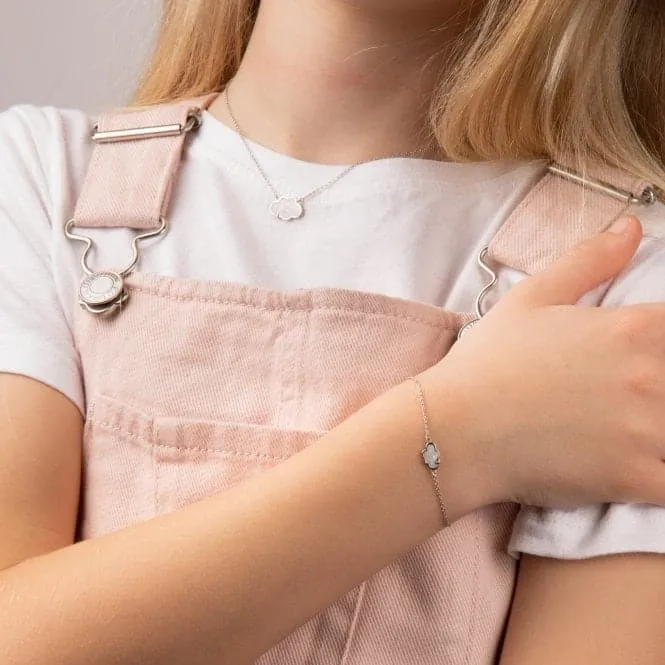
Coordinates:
(582,269)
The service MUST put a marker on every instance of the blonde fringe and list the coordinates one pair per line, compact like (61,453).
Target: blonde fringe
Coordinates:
(579,83)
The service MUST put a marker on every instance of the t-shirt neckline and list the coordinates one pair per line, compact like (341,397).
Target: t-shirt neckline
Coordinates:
(221,142)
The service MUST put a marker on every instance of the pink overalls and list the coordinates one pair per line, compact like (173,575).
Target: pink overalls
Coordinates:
(193,386)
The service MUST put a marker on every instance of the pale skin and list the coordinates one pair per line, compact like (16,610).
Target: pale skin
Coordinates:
(177,589)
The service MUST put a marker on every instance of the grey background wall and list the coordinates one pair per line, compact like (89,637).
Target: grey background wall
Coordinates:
(73,53)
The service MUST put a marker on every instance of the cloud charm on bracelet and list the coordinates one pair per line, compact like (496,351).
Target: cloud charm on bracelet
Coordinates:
(431,455)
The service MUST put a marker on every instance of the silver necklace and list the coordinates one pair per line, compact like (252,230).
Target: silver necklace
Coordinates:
(285,207)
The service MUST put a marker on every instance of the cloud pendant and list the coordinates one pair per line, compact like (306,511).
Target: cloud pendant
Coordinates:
(287,208)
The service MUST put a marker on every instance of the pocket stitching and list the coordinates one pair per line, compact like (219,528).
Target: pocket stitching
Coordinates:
(165,446)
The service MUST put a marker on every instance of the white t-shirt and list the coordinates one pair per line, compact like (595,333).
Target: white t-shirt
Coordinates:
(402,227)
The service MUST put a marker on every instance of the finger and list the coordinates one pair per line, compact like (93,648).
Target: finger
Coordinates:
(582,269)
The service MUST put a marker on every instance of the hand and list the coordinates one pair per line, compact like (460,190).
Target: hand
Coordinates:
(562,405)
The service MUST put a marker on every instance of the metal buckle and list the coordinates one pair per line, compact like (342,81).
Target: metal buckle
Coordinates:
(158,131)
(103,293)
(494,278)
(647,197)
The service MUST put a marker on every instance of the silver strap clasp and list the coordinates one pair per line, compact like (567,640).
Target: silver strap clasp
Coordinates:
(158,131)
(494,278)
(103,292)
(647,197)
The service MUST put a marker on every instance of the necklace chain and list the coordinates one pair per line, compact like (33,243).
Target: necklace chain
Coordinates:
(285,207)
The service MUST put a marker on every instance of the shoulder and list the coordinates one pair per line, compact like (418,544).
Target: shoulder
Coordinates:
(29,129)
(43,149)
(43,158)
(642,281)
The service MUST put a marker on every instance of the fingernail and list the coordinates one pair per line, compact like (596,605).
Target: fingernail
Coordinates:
(620,226)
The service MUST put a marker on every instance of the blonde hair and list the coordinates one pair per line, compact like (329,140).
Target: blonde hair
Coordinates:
(579,83)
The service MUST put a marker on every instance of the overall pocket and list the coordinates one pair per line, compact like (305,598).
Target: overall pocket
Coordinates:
(137,465)
(195,459)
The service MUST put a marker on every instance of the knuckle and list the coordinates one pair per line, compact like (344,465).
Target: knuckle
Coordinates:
(586,255)
(639,433)
(630,325)
(582,247)
(641,379)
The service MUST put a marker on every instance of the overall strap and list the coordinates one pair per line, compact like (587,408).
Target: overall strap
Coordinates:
(561,210)
(134,164)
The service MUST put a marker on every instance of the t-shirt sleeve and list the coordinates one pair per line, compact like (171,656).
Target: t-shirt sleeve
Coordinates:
(36,337)
(610,528)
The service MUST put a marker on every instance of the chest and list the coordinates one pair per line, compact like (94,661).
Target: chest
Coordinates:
(197,384)
(193,387)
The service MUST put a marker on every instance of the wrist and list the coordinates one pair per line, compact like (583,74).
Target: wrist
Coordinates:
(466,477)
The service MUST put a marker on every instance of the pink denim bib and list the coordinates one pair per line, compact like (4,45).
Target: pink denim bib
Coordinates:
(194,386)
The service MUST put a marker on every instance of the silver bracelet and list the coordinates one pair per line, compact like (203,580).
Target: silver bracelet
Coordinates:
(430,453)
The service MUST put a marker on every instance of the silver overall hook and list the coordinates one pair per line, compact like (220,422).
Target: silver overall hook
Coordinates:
(483,294)
(103,292)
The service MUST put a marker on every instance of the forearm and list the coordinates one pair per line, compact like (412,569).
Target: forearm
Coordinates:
(607,610)
(213,579)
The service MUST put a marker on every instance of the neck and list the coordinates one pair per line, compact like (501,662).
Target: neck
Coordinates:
(331,82)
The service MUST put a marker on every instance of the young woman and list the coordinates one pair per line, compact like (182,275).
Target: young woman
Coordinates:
(249,486)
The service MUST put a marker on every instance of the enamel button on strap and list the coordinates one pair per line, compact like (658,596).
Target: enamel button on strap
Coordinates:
(101,288)
(103,292)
